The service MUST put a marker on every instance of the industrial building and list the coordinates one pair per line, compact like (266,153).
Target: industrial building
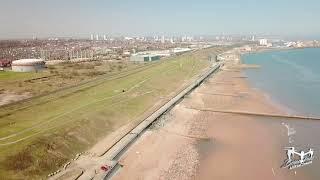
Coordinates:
(27,65)
(144,58)
(181,50)
(161,53)
(263,42)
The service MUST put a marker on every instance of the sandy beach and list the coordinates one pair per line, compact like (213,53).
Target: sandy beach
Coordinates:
(188,143)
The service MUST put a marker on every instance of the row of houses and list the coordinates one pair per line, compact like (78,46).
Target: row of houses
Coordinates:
(5,63)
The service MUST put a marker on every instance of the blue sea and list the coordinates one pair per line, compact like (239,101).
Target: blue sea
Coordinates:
(290,77)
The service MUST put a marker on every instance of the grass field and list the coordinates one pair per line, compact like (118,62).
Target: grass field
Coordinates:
(59,76)
(40,135)
(14,76)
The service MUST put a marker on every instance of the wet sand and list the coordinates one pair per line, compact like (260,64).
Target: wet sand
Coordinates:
(190,144)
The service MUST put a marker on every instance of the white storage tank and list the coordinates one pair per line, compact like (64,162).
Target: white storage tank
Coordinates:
(28,65)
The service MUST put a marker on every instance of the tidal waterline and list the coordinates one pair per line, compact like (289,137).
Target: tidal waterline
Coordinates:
(290,77)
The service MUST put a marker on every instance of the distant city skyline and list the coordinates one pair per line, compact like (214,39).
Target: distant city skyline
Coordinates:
(81,18)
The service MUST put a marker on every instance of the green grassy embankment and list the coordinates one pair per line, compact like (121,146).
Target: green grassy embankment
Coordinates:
(40,135)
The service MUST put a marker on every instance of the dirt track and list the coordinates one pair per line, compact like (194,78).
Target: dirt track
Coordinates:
(191,144)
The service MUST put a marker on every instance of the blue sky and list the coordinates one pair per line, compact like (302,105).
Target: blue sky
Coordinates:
(45,18)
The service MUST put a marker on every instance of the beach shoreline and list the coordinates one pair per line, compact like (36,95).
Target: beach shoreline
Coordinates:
(192,144)
(267,95)
(295,68)
(259,135)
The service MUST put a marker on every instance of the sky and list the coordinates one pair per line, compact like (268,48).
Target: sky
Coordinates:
(80,18)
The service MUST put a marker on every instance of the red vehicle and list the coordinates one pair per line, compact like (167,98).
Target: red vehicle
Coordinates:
(105,168)
(5,63)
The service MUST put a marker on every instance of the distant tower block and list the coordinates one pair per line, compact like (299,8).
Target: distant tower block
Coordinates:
(92,38)
(97,37)
(172,41)
(163,39)
(253,38)
(263,42)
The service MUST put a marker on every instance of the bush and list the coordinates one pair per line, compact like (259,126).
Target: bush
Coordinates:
(19,161)
(95,73)
(88,66)
(97,63)
(50,67)
(119,67)
(54,72)
(111,67)
(78,66)
(75,73)
(66,76)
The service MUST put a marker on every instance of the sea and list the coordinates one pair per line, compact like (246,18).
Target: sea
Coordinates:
(290,79)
